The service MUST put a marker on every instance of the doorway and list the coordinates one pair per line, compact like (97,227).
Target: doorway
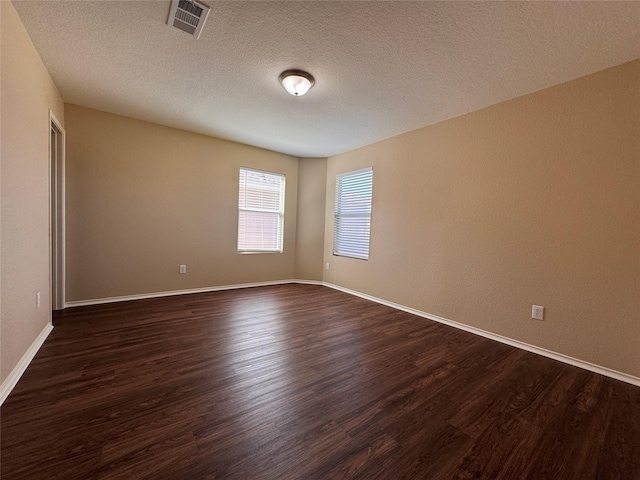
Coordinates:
(57,211)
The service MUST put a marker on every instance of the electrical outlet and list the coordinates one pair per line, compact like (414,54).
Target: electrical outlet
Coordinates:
(537,312)
(183,269)
(38,300)
(327,266)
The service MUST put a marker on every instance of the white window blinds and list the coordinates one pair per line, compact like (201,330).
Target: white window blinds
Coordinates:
(260,211)
(353,213)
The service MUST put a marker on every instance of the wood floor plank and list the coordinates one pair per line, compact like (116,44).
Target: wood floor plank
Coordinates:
(303,382)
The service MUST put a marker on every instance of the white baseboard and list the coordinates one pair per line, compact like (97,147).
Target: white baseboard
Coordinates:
(308,282)
(127,298)
(11,381)
(624,377)
(477,331)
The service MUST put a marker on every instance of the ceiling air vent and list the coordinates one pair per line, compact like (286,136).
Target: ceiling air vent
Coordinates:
(188,16)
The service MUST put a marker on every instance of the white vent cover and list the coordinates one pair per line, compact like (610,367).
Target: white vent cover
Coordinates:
(188,16)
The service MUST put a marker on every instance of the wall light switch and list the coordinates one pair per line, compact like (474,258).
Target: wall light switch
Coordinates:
(183,269)
(38,300)
(327,266)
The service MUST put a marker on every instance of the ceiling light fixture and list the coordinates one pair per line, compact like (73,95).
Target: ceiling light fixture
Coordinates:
(296,82)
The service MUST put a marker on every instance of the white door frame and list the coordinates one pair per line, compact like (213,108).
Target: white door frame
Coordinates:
(57,236)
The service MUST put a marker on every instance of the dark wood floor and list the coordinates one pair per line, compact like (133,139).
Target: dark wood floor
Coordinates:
(304,382)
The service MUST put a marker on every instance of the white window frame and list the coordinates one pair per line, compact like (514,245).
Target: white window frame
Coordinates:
(352,215)
(245,245)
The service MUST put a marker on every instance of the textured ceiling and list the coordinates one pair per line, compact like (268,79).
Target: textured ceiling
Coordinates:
(381,68)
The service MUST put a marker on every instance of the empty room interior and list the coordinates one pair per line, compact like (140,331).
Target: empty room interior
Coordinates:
(319,240)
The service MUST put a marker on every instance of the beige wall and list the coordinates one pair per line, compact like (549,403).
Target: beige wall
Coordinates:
(27,94)
(532,201)
(143,199)
(312,175)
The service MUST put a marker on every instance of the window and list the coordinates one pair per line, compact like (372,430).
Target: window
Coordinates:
(353,214)
(260,211)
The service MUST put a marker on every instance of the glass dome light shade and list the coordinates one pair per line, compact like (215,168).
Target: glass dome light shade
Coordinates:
(296,82)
